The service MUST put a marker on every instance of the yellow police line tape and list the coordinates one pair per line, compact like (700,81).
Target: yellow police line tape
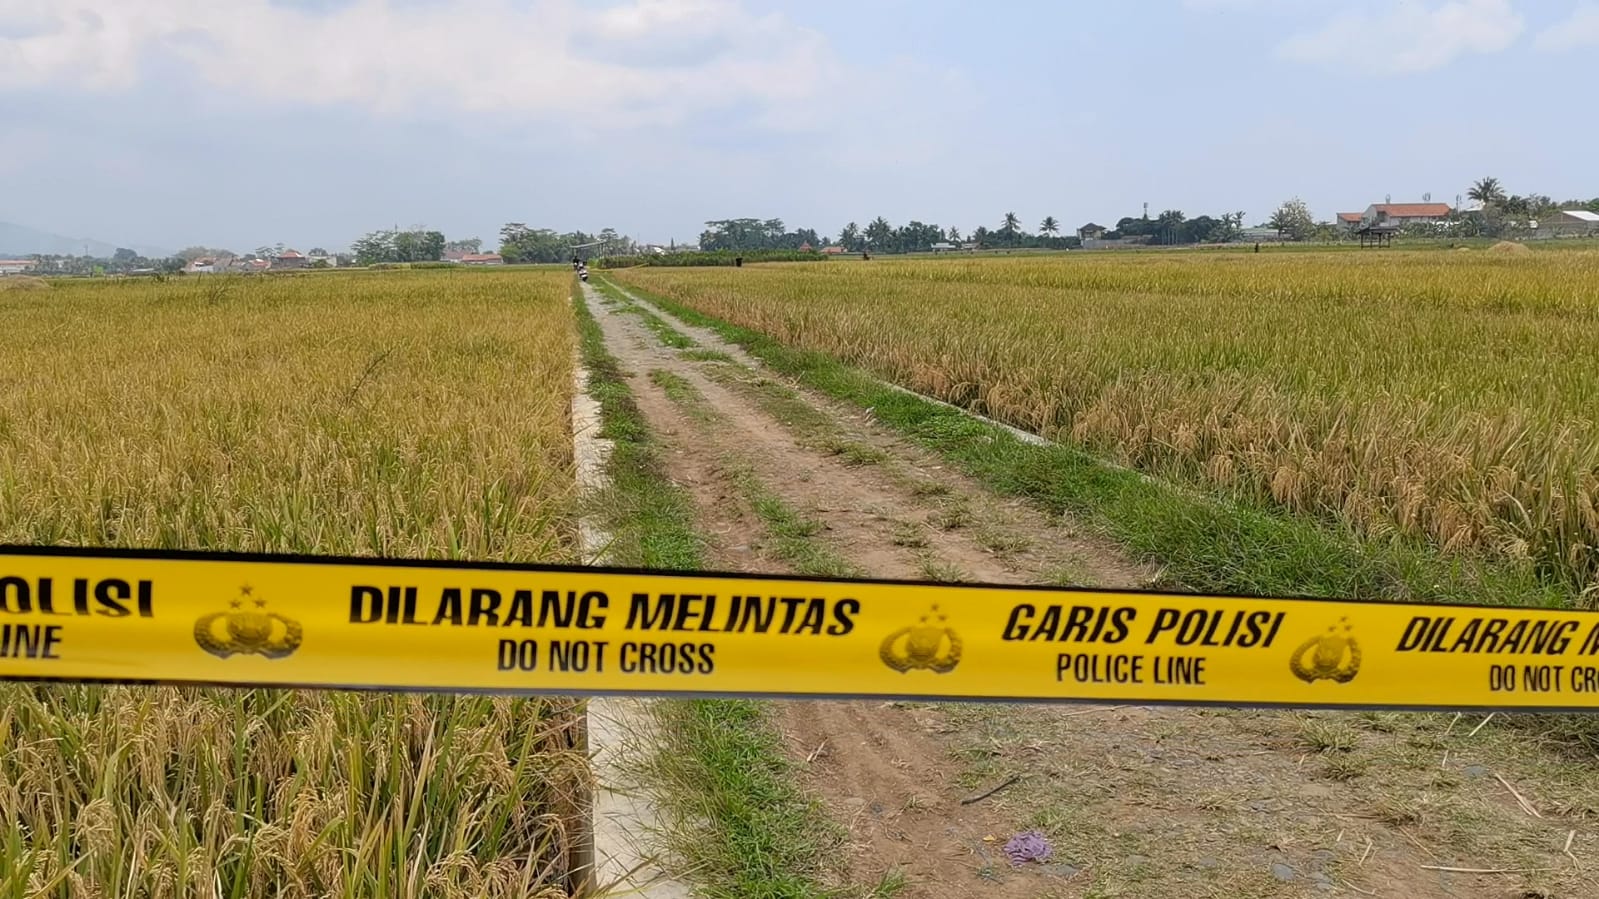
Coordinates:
(253,620)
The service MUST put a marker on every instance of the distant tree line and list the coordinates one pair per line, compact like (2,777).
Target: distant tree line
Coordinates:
(394,245)
(123,261)
(717,257)
(521,244)
(880,236)
(1173,228)
(756,234)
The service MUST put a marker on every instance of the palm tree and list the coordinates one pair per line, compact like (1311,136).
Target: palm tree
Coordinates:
(1011,228)
(1487,191)
(1049,226)
(880,234)
(954,235)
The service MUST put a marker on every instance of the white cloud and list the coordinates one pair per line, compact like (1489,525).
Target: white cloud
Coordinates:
(1408,38)
(654,60)
(1580,29)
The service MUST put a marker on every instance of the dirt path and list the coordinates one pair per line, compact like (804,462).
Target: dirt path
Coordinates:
(1135,801)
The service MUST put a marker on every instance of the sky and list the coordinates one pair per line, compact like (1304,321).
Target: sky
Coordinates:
(245,123)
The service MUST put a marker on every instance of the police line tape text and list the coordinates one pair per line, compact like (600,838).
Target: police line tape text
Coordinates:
(585,610)
(1084,668)
(591,656)
(1543,678)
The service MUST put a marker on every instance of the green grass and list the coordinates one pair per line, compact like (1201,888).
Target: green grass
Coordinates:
(748,832)
(811,427)
(793,534)
(650,520)
(680,391)
(667,334)
(703,355)
(732,815)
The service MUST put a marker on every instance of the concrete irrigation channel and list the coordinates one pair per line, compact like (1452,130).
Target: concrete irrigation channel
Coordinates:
(611,854)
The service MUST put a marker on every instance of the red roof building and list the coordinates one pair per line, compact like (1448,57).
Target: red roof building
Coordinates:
(1404,213)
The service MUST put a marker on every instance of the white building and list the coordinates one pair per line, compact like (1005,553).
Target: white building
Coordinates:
(1570,223)
(16,266)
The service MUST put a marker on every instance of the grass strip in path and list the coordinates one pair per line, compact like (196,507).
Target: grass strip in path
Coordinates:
(667,334)
(792,532)
(731,813)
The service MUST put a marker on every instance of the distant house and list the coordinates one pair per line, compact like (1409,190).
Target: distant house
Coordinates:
(1567,223)
(1398,214)
(327,259)
(482,259)
(1091,231)
(16,266)
(805,247)
(1262,234)
(290,259)
(834,250)
(456,255)
(944,246)
(1350,221)
(204,265)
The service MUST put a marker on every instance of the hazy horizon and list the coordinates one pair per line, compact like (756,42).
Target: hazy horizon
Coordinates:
(167,123)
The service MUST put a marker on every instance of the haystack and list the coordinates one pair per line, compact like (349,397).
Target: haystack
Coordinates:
(1509,248)
(23,282)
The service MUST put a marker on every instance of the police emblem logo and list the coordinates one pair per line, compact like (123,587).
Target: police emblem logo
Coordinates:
(929,644)
(1333,656)
(248,629)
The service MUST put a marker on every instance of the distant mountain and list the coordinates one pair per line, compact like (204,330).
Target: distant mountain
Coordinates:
(19,240)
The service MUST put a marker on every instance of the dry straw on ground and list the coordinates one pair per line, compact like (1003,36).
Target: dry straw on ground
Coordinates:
(404,414)
(1510,248)
(23,282)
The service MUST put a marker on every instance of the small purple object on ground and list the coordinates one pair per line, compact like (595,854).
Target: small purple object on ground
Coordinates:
(1029,846)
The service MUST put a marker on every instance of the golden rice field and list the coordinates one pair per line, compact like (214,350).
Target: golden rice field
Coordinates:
(419,414)
(1449,396)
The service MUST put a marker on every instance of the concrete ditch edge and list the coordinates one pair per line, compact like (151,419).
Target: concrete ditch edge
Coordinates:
(613,855)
